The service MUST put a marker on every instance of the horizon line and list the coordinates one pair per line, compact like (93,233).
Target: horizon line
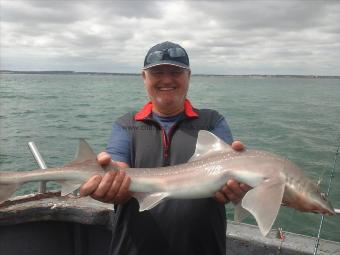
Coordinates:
(127,73)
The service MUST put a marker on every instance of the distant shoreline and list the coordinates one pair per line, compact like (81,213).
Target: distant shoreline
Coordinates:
(208,75)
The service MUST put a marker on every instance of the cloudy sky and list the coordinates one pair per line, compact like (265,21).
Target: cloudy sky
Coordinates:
(221,37)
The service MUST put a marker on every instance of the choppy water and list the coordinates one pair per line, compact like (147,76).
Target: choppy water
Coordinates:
(297,118)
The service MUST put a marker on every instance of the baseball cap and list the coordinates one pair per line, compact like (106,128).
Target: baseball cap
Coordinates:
(166,53)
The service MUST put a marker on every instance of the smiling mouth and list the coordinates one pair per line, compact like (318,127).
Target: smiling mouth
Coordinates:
(166,88)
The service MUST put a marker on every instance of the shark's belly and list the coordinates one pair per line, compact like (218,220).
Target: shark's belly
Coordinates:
(195,189)
(181,186)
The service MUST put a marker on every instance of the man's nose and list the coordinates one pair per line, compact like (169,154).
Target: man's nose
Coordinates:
(167,77)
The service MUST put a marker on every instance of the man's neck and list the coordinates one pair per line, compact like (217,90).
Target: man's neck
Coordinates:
(167,112)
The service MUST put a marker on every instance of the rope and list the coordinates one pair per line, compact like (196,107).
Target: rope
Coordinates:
(328,190)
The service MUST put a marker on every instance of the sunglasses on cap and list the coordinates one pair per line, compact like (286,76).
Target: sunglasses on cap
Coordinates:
(176,54)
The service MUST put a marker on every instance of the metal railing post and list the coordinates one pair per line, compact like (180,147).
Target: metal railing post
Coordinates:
(38,158)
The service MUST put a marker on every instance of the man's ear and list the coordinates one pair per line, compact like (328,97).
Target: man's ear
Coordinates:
(143,76)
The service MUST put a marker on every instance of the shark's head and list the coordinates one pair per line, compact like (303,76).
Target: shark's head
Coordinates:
(303,193)
(319,202)
(313,200)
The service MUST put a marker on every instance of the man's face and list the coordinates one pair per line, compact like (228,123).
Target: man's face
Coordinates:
(167,87)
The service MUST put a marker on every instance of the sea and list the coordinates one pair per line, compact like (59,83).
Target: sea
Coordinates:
(298,118)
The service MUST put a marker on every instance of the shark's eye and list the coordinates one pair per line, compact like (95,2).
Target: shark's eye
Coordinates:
(323,195)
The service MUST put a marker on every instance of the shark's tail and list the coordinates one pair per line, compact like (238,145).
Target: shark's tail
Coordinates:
(85,160)
(7,190)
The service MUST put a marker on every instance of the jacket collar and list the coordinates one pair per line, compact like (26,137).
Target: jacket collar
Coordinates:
(146,111)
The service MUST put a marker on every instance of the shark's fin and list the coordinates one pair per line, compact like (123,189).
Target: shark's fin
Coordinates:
(84,152)
(240,213)
(264,202)
(207,144)
(67,187)
(147,201)
(321,177)
(6,191)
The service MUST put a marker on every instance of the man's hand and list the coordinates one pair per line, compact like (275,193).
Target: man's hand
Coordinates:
(113,187)
(232,190)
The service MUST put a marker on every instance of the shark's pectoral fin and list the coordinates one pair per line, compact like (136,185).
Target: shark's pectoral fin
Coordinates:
(7,190)
(264,202)
(240,213)
(147,201)
(67,187)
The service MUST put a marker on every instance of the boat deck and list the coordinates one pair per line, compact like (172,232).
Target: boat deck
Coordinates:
(54,225)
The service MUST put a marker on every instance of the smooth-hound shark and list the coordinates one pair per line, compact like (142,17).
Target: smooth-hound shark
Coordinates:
(274,179)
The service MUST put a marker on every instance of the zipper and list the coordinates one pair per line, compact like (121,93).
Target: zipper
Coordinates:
(166,145)
(166,140)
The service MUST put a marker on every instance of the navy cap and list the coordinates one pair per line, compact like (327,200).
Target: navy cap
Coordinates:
(166,53)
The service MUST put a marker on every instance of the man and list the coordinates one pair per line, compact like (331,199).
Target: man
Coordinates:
(162,133)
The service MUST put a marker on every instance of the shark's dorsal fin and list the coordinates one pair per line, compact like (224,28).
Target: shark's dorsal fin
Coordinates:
(86,160)
(208,143)
(84,152)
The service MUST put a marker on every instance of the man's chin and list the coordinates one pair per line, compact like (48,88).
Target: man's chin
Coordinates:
(169,106)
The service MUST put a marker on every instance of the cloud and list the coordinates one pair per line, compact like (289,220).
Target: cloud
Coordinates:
(224,37)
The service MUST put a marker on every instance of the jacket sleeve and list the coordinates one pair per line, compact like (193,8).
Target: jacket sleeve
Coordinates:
(118,145)
(222,130)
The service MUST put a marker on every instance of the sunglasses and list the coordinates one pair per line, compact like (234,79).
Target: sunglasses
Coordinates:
(176,54)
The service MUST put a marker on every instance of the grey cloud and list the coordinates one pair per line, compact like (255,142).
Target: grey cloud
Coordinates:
(220,36)
(130,9)
(252,15)
(63,11)
(31,12)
